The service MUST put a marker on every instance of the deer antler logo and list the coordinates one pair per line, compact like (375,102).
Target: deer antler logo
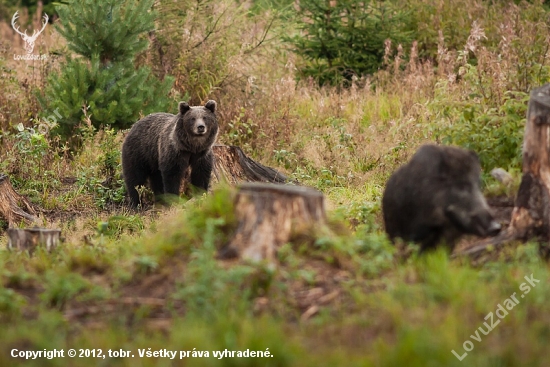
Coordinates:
(29,40)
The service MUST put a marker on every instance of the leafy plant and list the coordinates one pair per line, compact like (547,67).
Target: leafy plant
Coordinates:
(32,144)
(10,303)
(241,130)
(495,134)
(62,287)
(145,264)
(103,177)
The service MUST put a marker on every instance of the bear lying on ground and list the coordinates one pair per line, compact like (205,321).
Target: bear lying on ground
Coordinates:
(436,196)
(160,147)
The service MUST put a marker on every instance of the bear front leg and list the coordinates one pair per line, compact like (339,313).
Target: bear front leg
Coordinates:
(172,170)
(201,170)
(171,179)
(134,196)
(156,183)
(132,179)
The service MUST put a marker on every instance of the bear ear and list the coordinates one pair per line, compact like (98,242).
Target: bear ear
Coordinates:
(211,105)
(183,107)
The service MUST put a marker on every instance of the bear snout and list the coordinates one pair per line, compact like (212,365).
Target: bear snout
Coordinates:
(199,127)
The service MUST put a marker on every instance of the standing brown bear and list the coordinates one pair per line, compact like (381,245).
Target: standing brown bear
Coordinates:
(160,147)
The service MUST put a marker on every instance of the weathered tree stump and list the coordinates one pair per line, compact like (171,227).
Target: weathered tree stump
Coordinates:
(269,215)
(31,238)
(14,208)
(233,166)
(531,214)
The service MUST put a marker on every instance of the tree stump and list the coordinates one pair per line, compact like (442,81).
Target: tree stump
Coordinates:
(31,238)
(269,215)
(233,166)
(531,214)
(14,208)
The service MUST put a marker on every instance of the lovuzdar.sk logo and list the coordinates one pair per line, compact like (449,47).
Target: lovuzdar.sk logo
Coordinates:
(29,40)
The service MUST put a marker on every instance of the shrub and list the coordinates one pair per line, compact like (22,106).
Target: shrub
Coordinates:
(484,104)
(102,176)
(113,96)
(496,134)
(104,83)
(343,39)
(211,47)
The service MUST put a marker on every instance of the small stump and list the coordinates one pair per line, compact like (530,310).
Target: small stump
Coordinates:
(269,215)
(31,238)
(14,208)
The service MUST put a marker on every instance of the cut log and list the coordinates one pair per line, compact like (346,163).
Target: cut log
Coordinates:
(531,214)
(233,166)
(31,238)
(269,215)
(14,208)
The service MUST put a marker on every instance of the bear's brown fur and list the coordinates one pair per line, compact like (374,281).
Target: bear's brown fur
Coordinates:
(160,147)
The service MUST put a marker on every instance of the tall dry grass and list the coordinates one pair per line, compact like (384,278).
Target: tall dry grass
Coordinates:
(20,79)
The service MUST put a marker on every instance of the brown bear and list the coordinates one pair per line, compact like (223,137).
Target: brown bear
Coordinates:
(437,196)
(160,147)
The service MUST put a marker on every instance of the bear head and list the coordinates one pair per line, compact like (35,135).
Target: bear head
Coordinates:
(196,127)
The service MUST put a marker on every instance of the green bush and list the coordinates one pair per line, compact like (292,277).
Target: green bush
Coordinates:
(112,29)
(496,134)
(343,39)
(104,86)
